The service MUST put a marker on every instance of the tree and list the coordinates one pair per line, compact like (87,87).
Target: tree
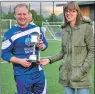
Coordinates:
(37,19)
(53,18)
(9,15)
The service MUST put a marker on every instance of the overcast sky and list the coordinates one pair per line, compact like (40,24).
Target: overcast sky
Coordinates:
(47,7)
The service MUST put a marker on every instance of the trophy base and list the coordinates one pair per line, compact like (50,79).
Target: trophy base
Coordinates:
(33,59)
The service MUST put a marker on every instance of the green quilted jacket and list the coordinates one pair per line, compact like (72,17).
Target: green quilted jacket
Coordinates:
(77,55)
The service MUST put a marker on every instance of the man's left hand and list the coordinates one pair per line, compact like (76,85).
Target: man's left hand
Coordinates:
(41,45)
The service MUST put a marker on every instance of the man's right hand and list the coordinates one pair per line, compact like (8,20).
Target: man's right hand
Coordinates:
(25,63)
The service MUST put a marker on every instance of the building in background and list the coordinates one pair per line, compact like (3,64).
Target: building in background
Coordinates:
(87,8)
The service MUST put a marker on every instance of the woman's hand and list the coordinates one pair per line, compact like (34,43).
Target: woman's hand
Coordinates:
(44,62)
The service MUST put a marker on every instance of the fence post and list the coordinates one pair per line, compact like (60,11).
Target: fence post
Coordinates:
(10,23)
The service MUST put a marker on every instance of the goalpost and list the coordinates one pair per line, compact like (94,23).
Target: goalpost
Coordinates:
(52,30)
(7,24)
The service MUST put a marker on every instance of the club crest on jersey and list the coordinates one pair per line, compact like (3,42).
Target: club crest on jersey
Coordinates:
(28,42)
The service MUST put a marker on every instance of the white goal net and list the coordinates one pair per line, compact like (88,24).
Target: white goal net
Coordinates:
(52,30)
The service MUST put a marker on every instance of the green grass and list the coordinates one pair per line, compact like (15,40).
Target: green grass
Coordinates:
(7,79)
(51,72)
(52,76)
(53,48)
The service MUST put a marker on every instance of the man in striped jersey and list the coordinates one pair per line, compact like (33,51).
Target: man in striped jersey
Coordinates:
(16,49)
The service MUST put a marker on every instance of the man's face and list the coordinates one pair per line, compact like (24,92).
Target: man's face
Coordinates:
(21,15)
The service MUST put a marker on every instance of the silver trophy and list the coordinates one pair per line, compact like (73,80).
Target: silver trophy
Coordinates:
(34,39)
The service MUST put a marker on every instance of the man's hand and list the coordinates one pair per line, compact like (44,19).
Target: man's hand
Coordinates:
(40,44)
(25,63)
(44,62)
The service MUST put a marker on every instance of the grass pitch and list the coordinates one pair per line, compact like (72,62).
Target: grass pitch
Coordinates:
(51,72)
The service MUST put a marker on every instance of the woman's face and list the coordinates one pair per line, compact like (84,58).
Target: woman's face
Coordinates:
(71,15)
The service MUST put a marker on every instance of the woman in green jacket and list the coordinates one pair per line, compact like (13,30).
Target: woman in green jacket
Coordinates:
(77,52)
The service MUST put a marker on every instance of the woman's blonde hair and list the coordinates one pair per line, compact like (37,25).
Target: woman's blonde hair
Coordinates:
(72,5)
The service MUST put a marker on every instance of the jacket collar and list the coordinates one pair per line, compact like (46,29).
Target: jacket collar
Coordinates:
(68,28)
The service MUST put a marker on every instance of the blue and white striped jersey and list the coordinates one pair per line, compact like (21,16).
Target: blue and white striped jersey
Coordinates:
(16,42)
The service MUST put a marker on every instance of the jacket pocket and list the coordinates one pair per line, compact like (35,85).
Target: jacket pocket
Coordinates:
(63,73)
(86,67)
(60,67)
(77,73)
(77,49)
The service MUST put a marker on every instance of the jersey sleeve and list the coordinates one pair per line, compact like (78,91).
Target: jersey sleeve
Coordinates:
(6,48)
